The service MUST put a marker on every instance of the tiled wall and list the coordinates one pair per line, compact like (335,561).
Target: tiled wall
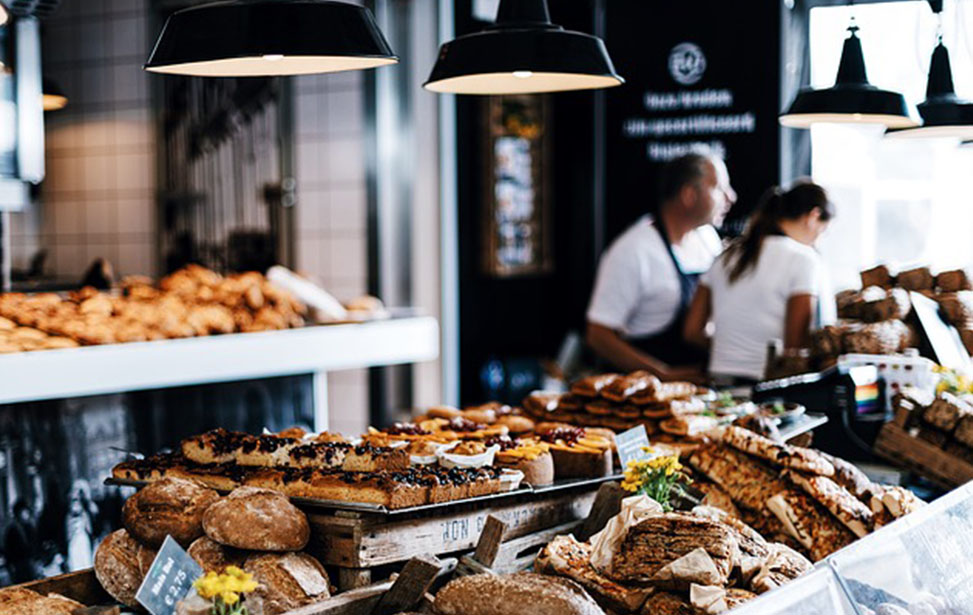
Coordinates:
(98,199)
(331,211)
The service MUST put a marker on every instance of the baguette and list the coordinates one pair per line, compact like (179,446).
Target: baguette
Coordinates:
(794,457)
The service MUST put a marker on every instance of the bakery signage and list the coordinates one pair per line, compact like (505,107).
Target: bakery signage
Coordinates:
(169,579)
(632,445)
(689,86)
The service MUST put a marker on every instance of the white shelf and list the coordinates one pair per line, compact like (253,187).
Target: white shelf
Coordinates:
(95,370)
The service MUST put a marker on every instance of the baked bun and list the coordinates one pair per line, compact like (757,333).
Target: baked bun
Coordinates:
(516,424)
(537,594)
(119,563)
(171,506)
(444,412)
(287,582)
(480,415)
(257,519)
(212,556)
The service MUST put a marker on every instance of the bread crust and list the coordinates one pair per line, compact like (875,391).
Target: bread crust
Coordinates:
(488,594)
(117,566)
(212,556)
(170,506)
(257,519)
(287,582)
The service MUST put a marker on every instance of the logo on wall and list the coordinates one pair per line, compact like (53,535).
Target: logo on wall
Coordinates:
(687,63)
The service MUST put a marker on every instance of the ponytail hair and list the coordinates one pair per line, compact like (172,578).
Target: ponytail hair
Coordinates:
(775,206)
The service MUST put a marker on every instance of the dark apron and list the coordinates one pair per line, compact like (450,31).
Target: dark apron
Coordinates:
(669,345)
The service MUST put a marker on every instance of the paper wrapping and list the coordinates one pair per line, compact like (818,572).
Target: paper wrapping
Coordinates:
(710,599)
(695,567)
(634,510)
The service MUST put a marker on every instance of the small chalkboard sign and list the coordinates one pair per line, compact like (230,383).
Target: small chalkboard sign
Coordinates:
(169,579)
(944,341)
(631,445)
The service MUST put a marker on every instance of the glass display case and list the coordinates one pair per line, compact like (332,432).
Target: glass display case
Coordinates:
(922,563)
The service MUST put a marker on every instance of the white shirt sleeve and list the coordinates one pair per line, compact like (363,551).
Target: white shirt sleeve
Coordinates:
(805,278)
(617,289)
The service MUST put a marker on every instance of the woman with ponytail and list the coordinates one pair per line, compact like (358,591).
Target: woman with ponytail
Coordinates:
(770,284)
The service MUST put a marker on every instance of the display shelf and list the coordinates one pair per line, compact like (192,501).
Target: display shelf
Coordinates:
(818,592)
(96,370)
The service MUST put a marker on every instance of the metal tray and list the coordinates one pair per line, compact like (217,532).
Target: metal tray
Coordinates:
(557,487)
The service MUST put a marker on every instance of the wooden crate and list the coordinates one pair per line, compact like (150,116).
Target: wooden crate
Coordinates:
(359,541)
(81,586)
(922,457)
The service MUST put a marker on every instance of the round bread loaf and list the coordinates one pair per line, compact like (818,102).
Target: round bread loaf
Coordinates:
(526,592)
(516,424)
(258,520)
(287,581)
(444,412)
(212,556)
(119,562)
(171,506)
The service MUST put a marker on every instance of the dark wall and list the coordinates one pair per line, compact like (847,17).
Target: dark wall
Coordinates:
(530,316)
(526,316)
(731,103)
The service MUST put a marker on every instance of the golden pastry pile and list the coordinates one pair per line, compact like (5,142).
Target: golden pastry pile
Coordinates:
(191,302)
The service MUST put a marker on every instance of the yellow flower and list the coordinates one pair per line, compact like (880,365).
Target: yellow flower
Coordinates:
(235,571)
(230,598)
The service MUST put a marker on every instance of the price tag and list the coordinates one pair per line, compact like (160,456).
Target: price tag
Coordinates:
(630,444)
(169,579)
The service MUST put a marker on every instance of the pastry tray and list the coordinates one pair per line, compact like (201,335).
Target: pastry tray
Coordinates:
(557,487)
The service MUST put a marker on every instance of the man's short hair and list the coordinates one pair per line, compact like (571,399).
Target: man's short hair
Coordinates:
(682,171)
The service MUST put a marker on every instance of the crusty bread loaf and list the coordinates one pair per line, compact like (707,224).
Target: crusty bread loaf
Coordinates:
(119,560)
(212,556)
(287,581)
(488,594)
(919,278)
(877,276)
(257,519)
(171,506)
(20,601)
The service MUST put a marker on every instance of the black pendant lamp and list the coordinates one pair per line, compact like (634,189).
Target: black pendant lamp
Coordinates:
(262,38)
(522,53)
(54,98)
(852,99)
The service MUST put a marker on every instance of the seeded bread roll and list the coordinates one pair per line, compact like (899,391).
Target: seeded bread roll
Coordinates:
(171,506)
(120,565)
(287,582)
(212,556)
(515,594)
(257,519)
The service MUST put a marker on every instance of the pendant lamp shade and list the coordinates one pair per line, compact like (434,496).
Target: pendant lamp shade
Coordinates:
(262,38)
(943,113)
(852,99)
(54,98)
(522,53)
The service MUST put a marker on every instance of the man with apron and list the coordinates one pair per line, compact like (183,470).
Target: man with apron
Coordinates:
(647,276)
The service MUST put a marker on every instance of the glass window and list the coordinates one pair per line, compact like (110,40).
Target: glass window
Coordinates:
(900,202)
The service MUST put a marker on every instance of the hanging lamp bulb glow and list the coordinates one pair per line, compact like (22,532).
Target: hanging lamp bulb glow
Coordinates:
(263,38)
(852,99)
(54,99)
(522,53)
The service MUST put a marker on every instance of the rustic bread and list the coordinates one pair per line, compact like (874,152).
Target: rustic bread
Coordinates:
(794,457)
(845,507)
(919,278)
(20,601)
(212,556)
(810,523)
(877,276)
(257,519)
(119,563)
(952,281)
(171,506)
(664,603)
(287,581)
(783,565)
(515,594)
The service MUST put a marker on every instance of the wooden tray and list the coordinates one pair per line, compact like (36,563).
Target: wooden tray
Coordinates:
(923,458)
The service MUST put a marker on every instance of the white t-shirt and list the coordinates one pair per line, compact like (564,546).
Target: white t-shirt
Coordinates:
(750,312)
(637,287)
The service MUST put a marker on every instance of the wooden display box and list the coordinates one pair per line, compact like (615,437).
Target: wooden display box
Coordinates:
(356,542)
(922,457)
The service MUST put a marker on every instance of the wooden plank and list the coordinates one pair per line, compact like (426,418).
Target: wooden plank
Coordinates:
(410,586)
(608,503)
(81,586)
(518,554)
(374,540)
(353,578)
(489,544)
(922,457)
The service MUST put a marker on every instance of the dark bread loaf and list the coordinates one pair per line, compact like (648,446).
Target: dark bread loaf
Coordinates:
(120,565)
(287,581)
(525,592)
(212,556)
(877,276)
(21,601)
(257,519)
(171,506)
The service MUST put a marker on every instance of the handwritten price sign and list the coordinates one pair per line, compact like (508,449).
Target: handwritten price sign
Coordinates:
(169,579)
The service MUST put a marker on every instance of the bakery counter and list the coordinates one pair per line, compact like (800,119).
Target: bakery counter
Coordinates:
(115,368)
